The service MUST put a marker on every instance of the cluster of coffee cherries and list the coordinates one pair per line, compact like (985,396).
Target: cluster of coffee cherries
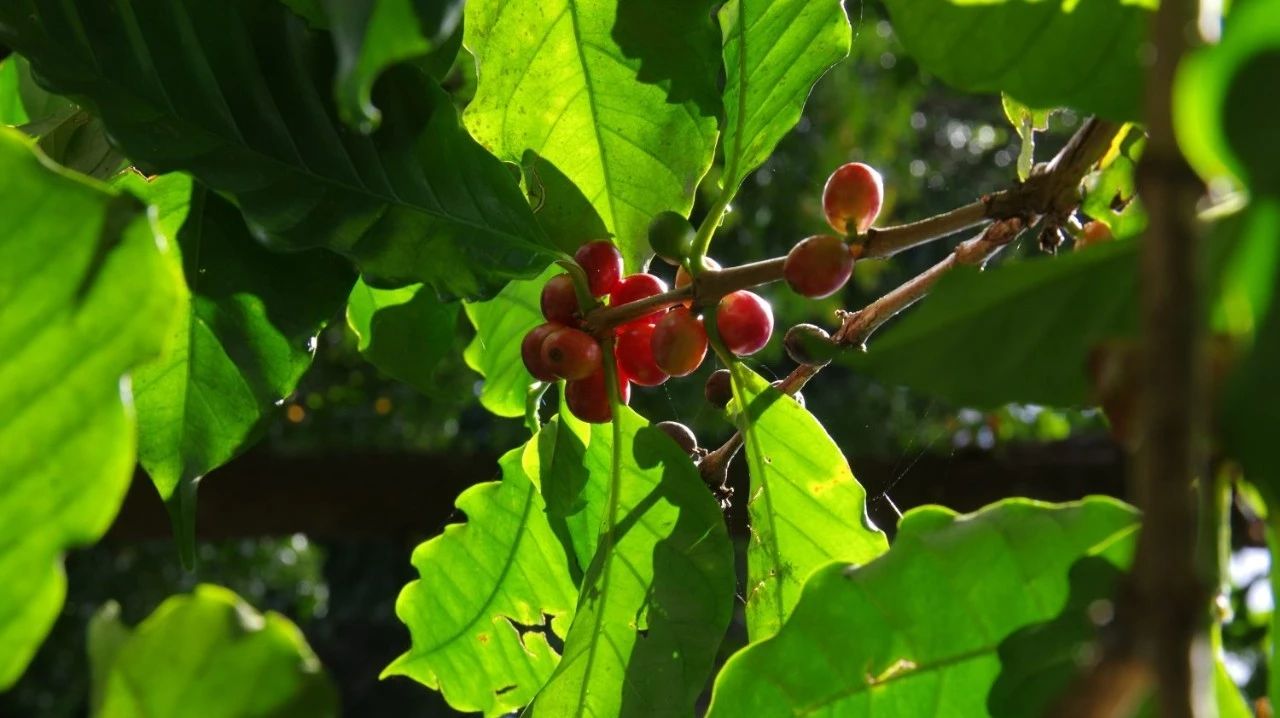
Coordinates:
(672,341)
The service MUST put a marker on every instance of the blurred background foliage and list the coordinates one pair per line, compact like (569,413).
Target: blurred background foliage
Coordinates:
(936,148)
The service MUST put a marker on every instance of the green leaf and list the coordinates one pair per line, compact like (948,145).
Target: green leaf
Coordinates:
(1041,661)
(805,508)
(1085,54)
(237,93)
(1026,121)
(372,35)
(563,212)
(493,592)
(209,654)
(658,594)
(87,293)
(1224,124)
(914,633)
(1021,332)
(618,95)
(11,110)
(105,636)
(1248,411)
(501,324)
(1110,194)
(774,51)
(245,333)
(404,332)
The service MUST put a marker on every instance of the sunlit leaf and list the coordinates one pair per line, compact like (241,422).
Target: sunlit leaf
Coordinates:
(774,50)
(1086,54)
(372,35)
(500,324)
(917,632)
(11,110)
(493,593)
(658,594)
(805,508)
(1110,193)
(78,141)
(87,294)
(1021,332)
(1027,122)
(404,332)
(239,94)
(618,95)
(207,654)
(244,334)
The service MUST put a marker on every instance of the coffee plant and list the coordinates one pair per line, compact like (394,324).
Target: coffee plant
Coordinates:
(190,191)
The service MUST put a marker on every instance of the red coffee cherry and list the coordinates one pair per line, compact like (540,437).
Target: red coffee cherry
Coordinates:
(559,300)
(819,266)
(531,351)
(571,353)
(719,388)
(679,342)
(635,287)
(634,350)
(683,279)
(681,434)
(852,198)
(603,264)
(589,401)
(745,322)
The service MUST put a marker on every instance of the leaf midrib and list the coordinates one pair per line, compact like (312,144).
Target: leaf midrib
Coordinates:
(598,134)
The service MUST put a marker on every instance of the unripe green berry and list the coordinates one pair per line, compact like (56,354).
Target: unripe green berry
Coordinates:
(671,237)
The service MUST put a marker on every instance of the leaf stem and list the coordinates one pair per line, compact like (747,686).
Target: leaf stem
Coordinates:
(707,230)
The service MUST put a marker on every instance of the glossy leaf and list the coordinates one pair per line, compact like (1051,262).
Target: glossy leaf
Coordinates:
(371,35)
(78,141)
(915,633)
(67,134)
(87,292)
(207,654)
(492,595)
(404,332)
(658,593)
(501,324)
(238,94)
(1110,193)
(1020,332)
(1027,122)
(244,335)
(618,95)
(1085,55)
(774,51)
(805,507)
(1224,123)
